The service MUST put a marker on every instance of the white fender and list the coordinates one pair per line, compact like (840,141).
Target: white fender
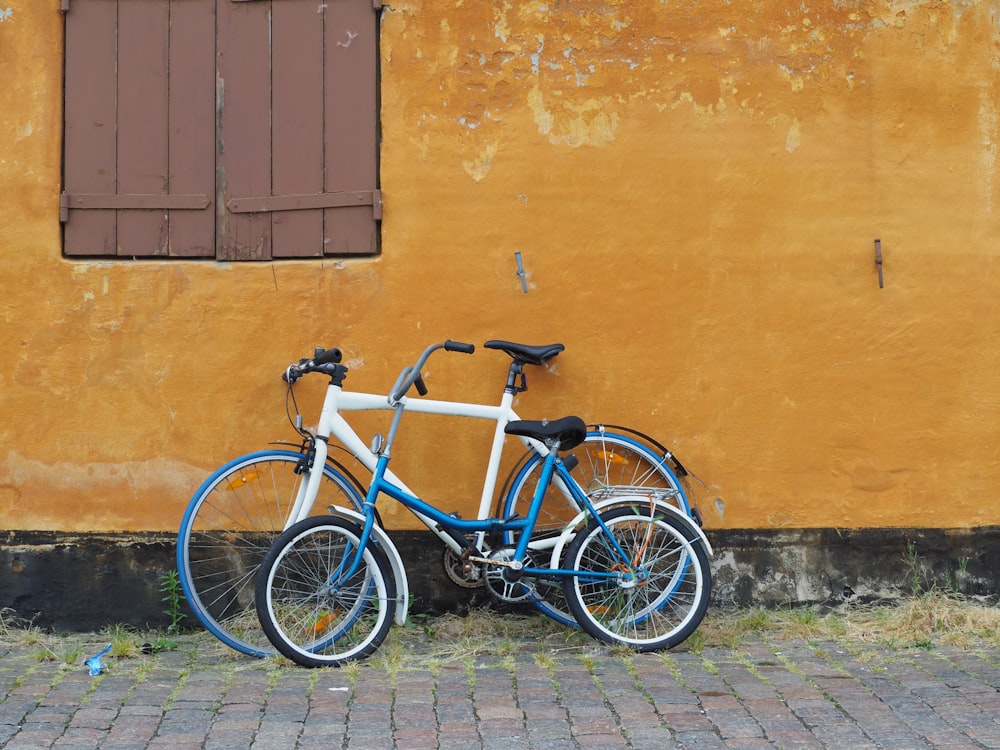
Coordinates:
(570,530)
(395,561)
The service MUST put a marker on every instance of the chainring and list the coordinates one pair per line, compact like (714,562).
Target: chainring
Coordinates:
(500,588)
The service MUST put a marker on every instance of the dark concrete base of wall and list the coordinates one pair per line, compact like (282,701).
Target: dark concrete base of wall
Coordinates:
(74,582)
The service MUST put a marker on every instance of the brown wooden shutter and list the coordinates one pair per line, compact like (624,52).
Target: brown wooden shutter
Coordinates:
(236,129)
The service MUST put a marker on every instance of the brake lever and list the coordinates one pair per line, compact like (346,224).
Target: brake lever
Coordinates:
(420,385)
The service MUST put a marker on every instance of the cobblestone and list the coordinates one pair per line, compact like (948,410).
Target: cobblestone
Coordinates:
(758,695)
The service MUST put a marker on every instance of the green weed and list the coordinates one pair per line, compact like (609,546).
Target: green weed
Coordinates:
(173,597)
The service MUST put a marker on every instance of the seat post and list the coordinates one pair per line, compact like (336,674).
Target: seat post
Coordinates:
(516,368)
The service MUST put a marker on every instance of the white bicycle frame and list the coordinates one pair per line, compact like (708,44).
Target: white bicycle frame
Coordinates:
(332,424)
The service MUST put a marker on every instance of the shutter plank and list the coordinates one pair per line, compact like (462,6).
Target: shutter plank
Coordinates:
(90,124)
(297,122)
(143,33)
(191,132)
(244,116)
(351,124)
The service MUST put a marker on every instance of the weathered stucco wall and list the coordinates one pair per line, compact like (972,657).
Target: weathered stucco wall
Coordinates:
(695,188)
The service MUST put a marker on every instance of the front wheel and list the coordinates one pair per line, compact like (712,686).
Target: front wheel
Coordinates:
(642,581)
(227,529)
(319,601)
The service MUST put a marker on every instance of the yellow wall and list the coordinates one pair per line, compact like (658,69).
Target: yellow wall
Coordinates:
(695,188)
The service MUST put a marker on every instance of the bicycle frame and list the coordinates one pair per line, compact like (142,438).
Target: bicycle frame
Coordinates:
(448,528)
(332,424)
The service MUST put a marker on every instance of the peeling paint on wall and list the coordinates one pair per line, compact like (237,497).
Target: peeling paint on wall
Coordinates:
(582,68)
(588,63)
(989,126)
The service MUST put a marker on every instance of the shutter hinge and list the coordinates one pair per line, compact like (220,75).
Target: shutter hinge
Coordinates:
(377,4)
(64,6)
(152,202)
(269,203)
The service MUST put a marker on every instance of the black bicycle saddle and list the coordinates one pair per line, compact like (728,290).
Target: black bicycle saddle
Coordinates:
(569,431)
(529,355)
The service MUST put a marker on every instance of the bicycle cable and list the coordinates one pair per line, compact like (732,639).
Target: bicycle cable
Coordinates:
(290,401)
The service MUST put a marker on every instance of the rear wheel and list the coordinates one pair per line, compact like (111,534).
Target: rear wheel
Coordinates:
(605,460)
(227,529)
(319,601)
(661,593)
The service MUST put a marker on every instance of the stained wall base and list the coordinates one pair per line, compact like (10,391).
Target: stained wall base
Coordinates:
(77,582)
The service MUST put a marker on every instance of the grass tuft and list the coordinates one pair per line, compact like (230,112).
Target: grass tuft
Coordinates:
(125,641)
(488,637)
(935,617)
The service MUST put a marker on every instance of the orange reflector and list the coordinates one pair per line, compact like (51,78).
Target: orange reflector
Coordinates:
(609,457)
(324,622)
(250,476)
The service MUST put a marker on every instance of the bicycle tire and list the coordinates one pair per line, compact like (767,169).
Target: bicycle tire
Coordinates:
(228,527)
(606,459)
(663,604)
(313,608)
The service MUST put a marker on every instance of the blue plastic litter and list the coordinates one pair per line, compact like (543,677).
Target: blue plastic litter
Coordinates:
(94,662)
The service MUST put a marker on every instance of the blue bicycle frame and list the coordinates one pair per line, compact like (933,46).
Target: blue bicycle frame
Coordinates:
(552,465)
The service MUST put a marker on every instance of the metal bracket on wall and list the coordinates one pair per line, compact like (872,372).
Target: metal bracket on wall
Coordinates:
(520,271)
(878,262)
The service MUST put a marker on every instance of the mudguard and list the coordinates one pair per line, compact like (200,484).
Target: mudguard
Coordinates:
(392,554)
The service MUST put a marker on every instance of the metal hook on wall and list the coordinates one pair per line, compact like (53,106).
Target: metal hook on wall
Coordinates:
(520,271)
(878,263)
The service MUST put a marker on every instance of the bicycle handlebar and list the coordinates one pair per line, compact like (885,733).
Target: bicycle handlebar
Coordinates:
(323,360)
(327,356)
(411,376)
(328,360)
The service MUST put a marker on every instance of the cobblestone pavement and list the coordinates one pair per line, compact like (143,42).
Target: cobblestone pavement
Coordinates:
(789,694)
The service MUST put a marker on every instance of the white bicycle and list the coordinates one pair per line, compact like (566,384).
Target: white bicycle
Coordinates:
(240,510)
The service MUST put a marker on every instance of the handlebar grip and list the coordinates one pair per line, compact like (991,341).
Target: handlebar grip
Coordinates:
(420,385)
(458,346)
(329,356)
